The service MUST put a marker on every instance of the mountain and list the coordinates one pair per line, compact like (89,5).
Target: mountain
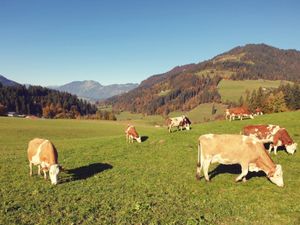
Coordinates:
(93,90)
(7,82)
(185,87)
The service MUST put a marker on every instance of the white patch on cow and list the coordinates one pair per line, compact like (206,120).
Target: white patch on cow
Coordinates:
(53,173)
(255,129)
(291,148)
(245,138)
(275,129)
(218,158)
(277,178)
(253,168)
(36,158)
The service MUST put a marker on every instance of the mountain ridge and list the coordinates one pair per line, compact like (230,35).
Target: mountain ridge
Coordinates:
(185,87)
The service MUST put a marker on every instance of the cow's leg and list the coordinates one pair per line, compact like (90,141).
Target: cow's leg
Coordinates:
(199,163)
(206,164)
(30,168)
(45,174)
(39,170)
(275,150)
(243,174)
(270,148)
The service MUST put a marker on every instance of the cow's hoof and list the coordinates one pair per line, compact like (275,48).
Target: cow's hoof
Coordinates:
(198,177)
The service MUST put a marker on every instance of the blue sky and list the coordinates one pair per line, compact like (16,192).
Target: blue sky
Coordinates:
(53,42)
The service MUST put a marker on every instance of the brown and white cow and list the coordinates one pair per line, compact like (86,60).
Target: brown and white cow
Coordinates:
(227,149)
(180,122)
(131,134)
(258,112)
(42,153)
(273,134)
(238,112)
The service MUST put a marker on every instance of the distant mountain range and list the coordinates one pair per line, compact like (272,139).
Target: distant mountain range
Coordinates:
(7,82)
(93,90)
(187,86)
(88,89)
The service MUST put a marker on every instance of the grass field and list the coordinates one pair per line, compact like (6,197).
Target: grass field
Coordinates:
(232,90)
(108,181)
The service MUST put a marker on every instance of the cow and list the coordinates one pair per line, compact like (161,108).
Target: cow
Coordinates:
(229,149)
(239,112)
(180,122)
(258,112)
(42,153)
(273,134)
(131,134)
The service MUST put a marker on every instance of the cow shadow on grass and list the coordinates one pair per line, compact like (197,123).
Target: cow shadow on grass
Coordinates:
(84,172)
(144,138)
(233,169)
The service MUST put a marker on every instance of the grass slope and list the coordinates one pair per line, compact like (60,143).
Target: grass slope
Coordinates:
(231,90)
(112,182)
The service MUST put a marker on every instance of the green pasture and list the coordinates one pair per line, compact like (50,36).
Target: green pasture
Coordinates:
(232,90)
(140,118)
(108,181)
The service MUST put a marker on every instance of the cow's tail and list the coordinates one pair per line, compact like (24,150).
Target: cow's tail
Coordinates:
(199,165)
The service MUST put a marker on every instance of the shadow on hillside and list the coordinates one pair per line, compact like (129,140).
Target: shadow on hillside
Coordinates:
(144,138)
(85,172)
(233,169)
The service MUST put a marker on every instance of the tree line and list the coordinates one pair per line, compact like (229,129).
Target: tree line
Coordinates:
(284,98)
(47,103)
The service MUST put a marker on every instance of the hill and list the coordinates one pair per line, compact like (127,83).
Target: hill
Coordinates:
(40,101)
(187,86)
(92,90)
(6,82)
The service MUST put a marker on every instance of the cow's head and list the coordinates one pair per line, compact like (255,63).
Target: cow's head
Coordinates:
(139,139)
(53,173)
(291,148)
(277,177)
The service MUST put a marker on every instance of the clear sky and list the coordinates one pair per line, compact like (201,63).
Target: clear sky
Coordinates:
(53,42)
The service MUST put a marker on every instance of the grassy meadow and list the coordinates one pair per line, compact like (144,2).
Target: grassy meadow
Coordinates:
(108,181)
(232,90)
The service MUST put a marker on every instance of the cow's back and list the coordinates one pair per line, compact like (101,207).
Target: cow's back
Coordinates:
(231,148)
(260,131)
(45,149)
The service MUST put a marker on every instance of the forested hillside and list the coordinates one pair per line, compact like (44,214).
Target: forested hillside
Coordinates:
(185,87)
(39,101)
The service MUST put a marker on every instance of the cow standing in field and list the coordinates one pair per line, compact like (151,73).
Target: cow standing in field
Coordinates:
(131,134)
(42,153)
(272,134)
(229,149)
(238,112)
(180,122)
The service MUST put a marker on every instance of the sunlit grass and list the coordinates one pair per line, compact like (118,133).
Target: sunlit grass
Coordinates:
(111,182)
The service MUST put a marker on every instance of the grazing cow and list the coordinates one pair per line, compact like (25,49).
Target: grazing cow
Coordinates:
(131,134)
(272,134)
(180,122)
(227,149)
(258,112)
(239,112)
(42,153)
